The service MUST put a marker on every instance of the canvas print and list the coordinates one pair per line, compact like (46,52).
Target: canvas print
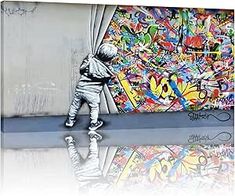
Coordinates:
(116,100)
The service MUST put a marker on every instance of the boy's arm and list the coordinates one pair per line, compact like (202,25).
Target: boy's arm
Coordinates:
(110,70)
(113,75)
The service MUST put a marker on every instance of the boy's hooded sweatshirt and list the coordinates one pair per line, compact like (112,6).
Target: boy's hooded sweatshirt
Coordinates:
(94,74)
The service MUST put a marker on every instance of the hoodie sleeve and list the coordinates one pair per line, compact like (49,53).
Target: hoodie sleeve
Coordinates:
(110,70)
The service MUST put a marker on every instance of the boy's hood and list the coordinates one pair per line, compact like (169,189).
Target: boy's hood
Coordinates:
(97,68)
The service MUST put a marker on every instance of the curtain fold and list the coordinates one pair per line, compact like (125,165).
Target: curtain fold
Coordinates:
(100,17)
(98,22)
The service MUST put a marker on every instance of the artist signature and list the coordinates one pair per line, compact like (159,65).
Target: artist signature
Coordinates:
(197,138)
(222,117)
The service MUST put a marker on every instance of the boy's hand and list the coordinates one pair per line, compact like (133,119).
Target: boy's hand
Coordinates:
(113,77)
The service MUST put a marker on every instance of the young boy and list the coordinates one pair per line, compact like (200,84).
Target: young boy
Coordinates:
(89,175)
(94,74)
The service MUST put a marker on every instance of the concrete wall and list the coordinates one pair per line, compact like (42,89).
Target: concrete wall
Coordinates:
(44,44)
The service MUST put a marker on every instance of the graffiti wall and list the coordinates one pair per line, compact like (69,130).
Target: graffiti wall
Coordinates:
(172,59)
(192,166)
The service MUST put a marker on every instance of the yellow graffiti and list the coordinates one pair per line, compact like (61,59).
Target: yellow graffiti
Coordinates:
(131,93)
(207,52)
(131,164)
(164,90)
(160,170)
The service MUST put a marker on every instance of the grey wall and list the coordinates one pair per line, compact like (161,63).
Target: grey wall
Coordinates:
(44,44)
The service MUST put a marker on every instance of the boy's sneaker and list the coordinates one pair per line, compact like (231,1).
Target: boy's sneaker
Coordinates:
(94,134)
(69,139)
(95,126)
(70,122)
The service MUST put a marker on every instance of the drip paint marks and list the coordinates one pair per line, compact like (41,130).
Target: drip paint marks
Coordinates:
(172,59)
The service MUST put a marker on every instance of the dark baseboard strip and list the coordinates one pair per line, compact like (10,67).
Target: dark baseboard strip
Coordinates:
(210,127)
(204,135)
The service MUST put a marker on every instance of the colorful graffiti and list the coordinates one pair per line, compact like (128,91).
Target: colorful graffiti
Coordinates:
(172,59)
(198,166)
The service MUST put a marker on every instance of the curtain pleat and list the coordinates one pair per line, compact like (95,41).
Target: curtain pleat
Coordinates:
(92,25)
(107,16)
(111,104)
(98,23)
(100,17)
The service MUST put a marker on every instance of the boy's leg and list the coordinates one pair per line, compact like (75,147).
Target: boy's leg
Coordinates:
(93,147)
(91,168)
(73,110)
(73,154)
(94,113)
(93,100)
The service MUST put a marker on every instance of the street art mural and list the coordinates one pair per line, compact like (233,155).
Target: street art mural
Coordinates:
(192,166)
(172,59)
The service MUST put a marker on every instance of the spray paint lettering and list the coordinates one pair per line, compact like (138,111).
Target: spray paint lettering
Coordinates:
(172,59)
(194,166)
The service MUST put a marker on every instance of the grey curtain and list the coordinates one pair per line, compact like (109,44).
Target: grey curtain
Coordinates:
(100,17)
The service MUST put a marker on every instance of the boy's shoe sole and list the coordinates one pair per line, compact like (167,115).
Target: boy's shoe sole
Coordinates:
(69,139)
(94,134)
(96,127)
(69,124)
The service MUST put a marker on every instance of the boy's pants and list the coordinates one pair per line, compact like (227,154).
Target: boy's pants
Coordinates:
(90,170)
(93,100)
